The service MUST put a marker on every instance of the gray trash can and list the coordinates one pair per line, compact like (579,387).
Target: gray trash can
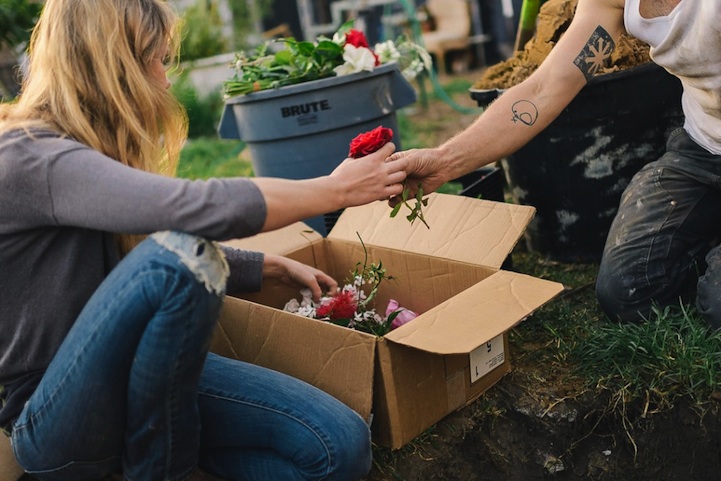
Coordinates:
(303,131)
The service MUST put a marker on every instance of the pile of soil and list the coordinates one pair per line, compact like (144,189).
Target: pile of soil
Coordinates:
(553,20)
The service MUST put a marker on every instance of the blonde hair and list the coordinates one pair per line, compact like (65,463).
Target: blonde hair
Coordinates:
(88,77)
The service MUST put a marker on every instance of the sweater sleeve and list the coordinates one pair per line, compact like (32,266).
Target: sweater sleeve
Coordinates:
(246,270)
(88,189)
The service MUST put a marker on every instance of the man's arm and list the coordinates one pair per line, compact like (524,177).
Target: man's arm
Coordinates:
(526,109)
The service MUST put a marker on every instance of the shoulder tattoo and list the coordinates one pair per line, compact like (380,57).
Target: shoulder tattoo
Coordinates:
(596,54)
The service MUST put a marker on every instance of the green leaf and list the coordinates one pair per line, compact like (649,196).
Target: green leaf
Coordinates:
(306,48)
(284,57)
(346,26)
(395,210)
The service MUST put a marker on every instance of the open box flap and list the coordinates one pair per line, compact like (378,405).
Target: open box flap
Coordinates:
(476,315)
(281,241)
(464,229)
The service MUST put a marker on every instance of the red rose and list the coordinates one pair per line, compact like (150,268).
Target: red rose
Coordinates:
(342,306)
(369,142)
(356,38)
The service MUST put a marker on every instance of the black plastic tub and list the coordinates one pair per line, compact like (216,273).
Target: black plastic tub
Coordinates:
(575,171)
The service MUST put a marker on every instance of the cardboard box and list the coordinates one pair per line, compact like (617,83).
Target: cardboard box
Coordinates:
(439,362)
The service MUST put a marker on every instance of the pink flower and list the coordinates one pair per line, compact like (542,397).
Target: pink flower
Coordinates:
(404,315)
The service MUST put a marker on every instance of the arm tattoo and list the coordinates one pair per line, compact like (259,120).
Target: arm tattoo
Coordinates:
(596,54)
(525,112)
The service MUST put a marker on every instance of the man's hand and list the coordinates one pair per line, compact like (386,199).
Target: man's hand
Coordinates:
(425,169)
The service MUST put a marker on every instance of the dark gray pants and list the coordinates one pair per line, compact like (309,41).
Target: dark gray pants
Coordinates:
(663,244)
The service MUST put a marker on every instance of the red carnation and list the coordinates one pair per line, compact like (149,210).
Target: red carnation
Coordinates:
(342,306)
(356,38)
(368,142)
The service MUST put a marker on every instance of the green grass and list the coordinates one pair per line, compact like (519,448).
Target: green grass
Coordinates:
(646,367)
(207,157)
(673,354)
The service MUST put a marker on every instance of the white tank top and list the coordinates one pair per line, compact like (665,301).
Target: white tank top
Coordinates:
(687,43)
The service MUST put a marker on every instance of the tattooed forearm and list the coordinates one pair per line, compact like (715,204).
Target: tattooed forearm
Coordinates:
(524,112)
(596,54)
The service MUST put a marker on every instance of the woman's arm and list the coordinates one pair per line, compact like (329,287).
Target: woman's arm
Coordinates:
(353,182)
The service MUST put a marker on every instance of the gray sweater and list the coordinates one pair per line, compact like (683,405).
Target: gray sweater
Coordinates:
(60,202)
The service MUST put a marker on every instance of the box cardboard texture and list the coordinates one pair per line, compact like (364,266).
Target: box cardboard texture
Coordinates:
(417,374)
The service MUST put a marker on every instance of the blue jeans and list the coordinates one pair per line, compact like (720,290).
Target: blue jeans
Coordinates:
(133,388)
(663,245)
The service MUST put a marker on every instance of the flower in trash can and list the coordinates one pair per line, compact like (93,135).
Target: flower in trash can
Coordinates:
(357,59)
(352,306)
(280,62)
(367,143)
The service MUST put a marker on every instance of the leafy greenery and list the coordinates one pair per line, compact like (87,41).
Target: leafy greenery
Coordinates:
(202,34)
(244,16)
(203,111)
(301,61)
(297,62)
(17,18)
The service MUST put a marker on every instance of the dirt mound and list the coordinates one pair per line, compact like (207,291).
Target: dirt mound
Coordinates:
(553,20)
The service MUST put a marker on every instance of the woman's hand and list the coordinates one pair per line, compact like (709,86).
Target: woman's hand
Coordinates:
(297,274)
(373,177)
(354,182)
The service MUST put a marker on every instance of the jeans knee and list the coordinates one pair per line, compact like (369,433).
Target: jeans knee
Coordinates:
(202,257)
(354,458)
(618,297)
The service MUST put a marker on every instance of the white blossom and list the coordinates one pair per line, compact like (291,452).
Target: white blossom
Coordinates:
(292,305)
(387,51)
(357,59)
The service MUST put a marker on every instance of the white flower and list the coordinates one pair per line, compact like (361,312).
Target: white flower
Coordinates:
(387,51)
(356,60)
(292,305)
(306,307)
(412,70)
(339,38)
(307,297)
(307,311)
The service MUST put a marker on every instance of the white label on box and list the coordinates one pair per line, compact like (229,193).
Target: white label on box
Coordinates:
(486,357)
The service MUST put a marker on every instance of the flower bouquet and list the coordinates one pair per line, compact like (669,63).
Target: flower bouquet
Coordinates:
(352,307)
(347,52)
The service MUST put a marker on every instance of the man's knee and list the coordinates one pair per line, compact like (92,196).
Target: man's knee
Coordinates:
(708,298)
(619,294)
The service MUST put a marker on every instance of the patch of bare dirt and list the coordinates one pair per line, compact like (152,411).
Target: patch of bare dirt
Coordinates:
(538,423)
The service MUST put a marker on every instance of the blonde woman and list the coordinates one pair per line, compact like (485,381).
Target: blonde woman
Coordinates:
(104,364)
